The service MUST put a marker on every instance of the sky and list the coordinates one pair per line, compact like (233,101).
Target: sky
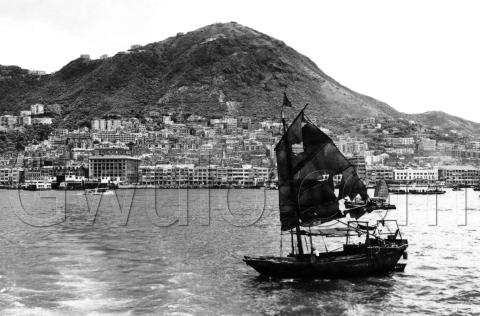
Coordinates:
(415,55)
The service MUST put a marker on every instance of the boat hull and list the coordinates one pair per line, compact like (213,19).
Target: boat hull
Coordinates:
(372,261)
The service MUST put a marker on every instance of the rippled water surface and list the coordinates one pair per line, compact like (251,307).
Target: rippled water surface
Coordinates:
(92,263)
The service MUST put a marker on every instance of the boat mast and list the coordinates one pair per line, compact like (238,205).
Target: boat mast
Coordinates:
(297,226)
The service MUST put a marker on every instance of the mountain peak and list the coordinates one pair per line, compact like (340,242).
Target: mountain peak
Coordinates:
(219,69)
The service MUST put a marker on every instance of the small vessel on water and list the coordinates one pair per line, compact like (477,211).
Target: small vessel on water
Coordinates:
(426,190)
(457,188)
(98,191)
(417,189)
(307,161)
(380,196)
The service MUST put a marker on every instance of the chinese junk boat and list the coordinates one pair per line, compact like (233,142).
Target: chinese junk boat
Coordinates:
(307,161)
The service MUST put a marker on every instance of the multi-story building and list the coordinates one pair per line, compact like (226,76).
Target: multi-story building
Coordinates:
(124,168)
(401,150)
(466,154)
(459,175)
(399,141)
(11,121)
(42,120)
(427,145)
(379,172)
(112,125)
(98,125)
(10,176)
(183,175)
(371,159)
(37,109)
(415,174)
(351,147)
(106,125)
(112,137)
(445,147)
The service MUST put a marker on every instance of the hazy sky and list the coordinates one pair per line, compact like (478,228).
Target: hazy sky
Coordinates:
(415,55)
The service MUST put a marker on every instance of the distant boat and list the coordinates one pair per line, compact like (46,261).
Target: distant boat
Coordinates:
(98,191)
(416,189)
(381,190)
(272,186)
(307,161)
(427,191)
(380,196)
(397,191)
(457,188)
(37,186)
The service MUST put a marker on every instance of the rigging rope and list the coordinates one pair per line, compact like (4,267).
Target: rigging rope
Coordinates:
(281,242)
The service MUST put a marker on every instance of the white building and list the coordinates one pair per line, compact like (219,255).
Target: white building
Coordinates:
(415,174)
(183,175)
(42,120)
(37,109)
(401,150)
(399,141)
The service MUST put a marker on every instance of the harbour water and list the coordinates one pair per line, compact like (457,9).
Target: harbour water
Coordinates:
(122,259)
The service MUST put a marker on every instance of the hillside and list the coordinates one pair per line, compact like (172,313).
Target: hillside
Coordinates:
(212,71)
(446,121)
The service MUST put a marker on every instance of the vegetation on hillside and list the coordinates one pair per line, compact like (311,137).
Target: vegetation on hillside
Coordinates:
(11,141)
(216,70)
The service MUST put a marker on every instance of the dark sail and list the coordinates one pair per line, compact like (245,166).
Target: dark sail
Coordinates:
(307,161)
(381,190)
(351,185)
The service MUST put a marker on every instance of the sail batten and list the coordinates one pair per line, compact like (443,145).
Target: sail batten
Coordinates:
(381,190)
(307,161)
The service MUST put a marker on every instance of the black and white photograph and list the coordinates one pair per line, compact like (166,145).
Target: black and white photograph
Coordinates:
(239,157)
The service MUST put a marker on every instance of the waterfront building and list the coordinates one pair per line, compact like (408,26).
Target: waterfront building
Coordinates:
(183,175)
(415,174)
(379,172)
(114,166)
(459,175)
(10,176)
